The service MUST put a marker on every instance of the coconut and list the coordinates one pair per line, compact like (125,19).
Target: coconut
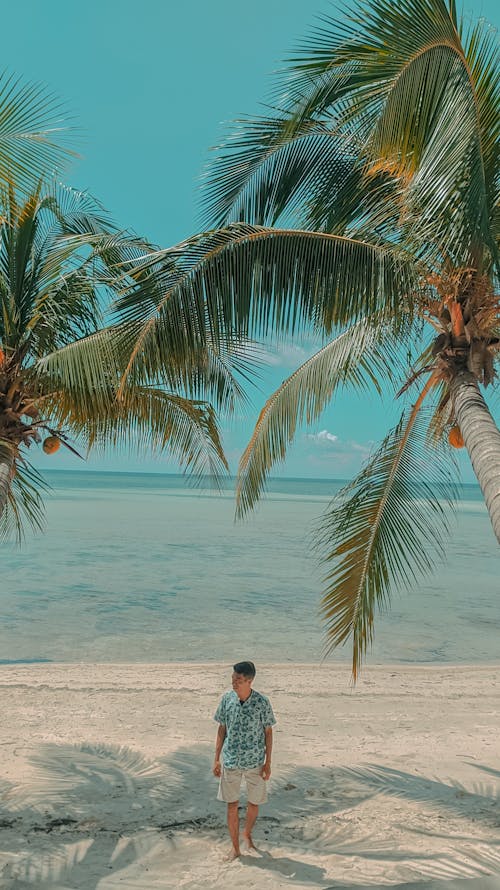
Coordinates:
(51,445)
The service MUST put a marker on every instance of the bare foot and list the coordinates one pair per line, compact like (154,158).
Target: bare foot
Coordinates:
(232,855)
(248,843)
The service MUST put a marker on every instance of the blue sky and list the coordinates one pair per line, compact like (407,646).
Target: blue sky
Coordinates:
(150,85)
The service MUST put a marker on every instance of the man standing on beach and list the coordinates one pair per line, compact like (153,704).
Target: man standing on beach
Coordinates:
(245,740)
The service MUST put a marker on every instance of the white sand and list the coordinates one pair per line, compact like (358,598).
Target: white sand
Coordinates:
(106,779)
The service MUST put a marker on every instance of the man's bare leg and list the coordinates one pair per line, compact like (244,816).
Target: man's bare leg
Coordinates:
(233,823)
(252,813)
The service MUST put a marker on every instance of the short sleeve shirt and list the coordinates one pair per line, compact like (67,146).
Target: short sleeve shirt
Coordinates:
(245,743)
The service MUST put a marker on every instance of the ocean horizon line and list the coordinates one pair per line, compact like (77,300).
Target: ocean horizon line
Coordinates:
(186,478)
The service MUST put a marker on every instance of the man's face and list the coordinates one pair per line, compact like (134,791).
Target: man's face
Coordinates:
(240,683)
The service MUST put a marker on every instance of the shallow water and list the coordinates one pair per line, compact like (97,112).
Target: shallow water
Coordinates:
(139,567)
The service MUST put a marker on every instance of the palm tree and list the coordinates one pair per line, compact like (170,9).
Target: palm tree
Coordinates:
(60,368)
(364,208)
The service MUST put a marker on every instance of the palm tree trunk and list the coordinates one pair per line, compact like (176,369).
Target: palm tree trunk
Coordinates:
(482,440)
(6,466)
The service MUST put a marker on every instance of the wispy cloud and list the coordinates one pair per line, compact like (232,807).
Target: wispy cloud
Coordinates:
(323,436)
(286,355)
(325,449)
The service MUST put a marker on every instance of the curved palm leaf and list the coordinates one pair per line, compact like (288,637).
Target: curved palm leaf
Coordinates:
(81,366)
(78,392)
(24,503)
(319,179)
(356,357)
(383,528)
(266,171)
(453,127)
(76,211)
(32,138)
(243,281)
(450,196)
(418,87)
(47,288)
(58,252)
(146,417)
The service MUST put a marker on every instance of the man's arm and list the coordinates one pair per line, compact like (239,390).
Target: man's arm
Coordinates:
(266,769)
(221,735)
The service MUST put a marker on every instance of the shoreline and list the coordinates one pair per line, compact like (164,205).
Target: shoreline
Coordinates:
(342,666)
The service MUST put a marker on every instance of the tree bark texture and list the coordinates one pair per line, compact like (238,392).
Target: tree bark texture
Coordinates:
(482,440)
(6,463)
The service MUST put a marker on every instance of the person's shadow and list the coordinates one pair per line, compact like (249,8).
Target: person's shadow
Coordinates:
(294,869)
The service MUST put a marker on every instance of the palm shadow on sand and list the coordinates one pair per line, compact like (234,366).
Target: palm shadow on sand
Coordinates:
(73,803)
(105,810)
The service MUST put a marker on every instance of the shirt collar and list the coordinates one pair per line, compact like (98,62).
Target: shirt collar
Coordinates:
(239,699)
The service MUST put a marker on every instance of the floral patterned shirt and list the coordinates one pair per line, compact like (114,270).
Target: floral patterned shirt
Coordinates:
(245,743)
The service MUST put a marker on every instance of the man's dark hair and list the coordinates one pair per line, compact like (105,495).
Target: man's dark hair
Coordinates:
(245,668)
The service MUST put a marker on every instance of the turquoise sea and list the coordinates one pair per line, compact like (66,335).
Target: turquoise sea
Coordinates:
(142,567)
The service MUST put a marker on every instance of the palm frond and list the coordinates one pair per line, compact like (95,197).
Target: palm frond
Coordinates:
(24,505)
(262,170)
(357,357)
(59,255)
(45,299)
(79,393)
(451,193)
(318,178)
(68,309)
(246,281)
(33,137)
(76,211)
(449,132)
(82,368)
(363,54)
(366,204)
(424,98)
(145,418)
(385,527)
(17,231)
(76,225)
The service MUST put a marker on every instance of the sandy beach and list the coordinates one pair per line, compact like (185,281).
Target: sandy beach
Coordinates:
(106,778)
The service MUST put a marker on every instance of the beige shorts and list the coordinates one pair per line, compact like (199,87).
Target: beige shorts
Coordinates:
(230,784)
